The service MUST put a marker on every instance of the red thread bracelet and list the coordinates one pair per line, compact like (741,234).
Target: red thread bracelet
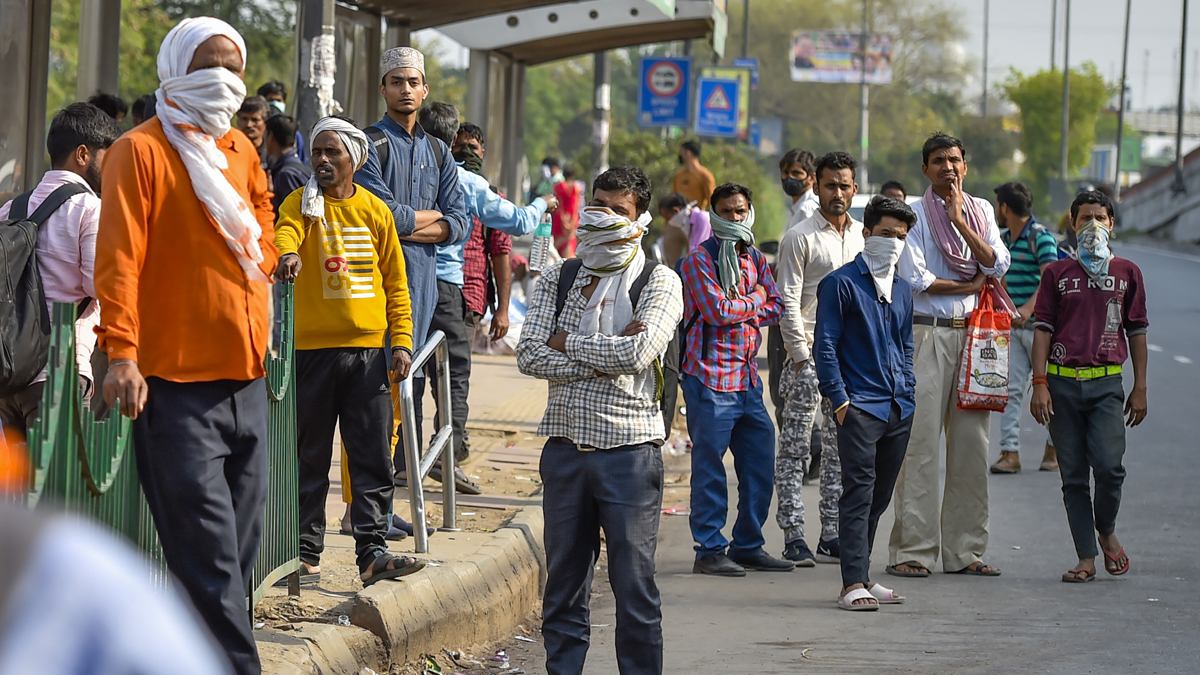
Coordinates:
(1040,379)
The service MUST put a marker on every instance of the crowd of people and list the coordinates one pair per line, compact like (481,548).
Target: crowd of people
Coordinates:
(173,239)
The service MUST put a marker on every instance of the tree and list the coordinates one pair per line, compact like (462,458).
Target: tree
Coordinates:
(1039,98)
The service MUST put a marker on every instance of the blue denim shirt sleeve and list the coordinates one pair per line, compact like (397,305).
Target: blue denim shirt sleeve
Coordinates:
(370,176)
(497,212)
(906,337)
(450,201)
(828,332)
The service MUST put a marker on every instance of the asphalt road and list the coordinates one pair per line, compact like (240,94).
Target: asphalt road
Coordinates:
(1024,621)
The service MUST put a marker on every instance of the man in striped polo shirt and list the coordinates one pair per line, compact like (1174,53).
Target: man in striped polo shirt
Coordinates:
(1033,248)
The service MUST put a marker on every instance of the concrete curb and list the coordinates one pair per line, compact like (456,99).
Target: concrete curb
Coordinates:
(472,601)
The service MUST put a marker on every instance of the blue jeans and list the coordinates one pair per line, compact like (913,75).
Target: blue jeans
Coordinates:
(1020,370)
(737,421)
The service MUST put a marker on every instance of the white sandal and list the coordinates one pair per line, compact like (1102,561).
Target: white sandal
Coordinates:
(885,596)
(847,601)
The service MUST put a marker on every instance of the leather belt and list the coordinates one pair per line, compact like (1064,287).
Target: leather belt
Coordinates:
(939,322)
(578,446)
(1091,373)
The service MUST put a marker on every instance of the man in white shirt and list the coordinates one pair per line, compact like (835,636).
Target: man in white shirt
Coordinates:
(78,138)
(797,174)
(807,254)
(952,249)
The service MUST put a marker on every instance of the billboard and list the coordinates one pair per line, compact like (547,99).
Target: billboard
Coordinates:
(837,56)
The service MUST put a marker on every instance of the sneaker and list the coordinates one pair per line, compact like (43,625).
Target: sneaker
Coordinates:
(828,551)
(797,551)
(718,565)
(761,562)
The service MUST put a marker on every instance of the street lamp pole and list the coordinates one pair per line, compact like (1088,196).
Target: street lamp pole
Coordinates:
(983,100)
(864,122)
(1121,107)
(745,29)
(1066,110)
(1053,30)
(1179,185)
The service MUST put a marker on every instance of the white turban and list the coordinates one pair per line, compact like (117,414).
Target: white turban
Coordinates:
(312,205)
(195,108)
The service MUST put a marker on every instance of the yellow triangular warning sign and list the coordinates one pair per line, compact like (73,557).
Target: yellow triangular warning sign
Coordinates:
(717,100)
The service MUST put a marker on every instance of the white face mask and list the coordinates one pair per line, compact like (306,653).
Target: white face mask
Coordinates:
(207,98)
(881,255)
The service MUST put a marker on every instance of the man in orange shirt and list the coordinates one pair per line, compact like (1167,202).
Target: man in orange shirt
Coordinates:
(693,180)
(183,258)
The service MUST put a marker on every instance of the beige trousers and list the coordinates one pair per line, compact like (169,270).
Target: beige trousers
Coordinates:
(958,530)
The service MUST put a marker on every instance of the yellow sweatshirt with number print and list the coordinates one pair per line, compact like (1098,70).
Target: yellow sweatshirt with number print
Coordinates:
(352,284)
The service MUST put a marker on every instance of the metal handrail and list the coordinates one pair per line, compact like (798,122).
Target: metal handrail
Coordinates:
(420,463)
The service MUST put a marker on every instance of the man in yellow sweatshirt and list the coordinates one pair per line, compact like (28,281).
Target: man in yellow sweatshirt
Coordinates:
(351,300)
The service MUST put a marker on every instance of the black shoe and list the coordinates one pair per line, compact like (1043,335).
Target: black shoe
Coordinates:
(718,565)
(797,551)
(828,551)
(761,562)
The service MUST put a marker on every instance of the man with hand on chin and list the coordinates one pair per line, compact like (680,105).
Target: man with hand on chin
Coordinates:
(352,297)
(1088,309)
(864,354)
(602,464)
(953,247)
(183,257)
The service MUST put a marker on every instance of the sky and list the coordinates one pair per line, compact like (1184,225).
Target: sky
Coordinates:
(1020,38)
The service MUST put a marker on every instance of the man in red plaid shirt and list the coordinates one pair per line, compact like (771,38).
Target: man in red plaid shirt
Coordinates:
(728,295)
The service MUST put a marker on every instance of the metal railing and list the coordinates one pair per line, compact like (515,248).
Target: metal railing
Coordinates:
(87,466)
(419,463)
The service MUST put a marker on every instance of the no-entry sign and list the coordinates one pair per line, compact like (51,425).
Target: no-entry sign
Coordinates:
(664,92)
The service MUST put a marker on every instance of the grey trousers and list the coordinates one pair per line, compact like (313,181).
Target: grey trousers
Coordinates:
(618,491)
(202,461)
(1088,428)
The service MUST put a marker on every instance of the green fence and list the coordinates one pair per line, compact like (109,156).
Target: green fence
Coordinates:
(87,466)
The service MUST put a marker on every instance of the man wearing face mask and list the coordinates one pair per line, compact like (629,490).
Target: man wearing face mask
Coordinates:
(797,171)
(1090,317)
(184,256)
(864,354)
(729,294)
(601,352)
(808,253)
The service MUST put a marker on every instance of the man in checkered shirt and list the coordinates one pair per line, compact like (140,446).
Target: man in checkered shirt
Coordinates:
(602,465)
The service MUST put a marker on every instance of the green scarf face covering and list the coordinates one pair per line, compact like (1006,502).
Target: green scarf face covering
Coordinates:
(729,233)
(471,161)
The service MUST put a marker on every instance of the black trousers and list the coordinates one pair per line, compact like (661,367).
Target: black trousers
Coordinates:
(202,455)
(452,317)
(618,491)
(872,451)
(351,385)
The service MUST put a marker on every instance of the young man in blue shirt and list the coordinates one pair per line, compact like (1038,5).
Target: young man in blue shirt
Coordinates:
(863,349)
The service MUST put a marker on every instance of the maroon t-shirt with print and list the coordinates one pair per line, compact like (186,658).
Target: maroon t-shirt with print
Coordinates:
(1089,320)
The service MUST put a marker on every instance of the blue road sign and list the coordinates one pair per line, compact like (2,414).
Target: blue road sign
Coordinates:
(664,93)
(752,64)
(717,107)
(755,135)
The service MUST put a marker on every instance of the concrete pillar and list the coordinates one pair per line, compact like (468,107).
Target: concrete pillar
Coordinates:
(601,108)
(39,74)
(399,34)
(516,146)
(374,50)
(99,37)
(509,180)
(477,86)
(318,62)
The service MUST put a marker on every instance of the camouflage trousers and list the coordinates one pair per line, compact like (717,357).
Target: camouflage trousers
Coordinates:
(798,388)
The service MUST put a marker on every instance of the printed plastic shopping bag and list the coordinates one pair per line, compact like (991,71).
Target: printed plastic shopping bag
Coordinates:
(983,367)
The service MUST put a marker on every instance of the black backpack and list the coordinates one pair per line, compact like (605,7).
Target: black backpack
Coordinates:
(667,366)
(24,316)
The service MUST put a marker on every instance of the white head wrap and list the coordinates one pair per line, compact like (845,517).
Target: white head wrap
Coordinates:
(610,247)
(195,108)
(313,203)
(402,57)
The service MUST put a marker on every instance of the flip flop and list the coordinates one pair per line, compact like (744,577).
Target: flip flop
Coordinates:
(380,570)
(885,596)
(846,602)
(1112,561)
(1078,576)
(921,571)
(977,571)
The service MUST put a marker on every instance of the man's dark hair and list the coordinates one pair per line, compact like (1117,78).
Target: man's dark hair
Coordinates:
(939,141)
(273,88)
(728,190)
(473,131)
(80,124)
(139,106)
(881,206)
(1092,197)
(692,147)
(806,160)
(254,104)
(626,180)
(439,120)
(112,105)
(550,161)
(672,201)
(283,128)
(893,185)
(1016,197)
(836,161)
